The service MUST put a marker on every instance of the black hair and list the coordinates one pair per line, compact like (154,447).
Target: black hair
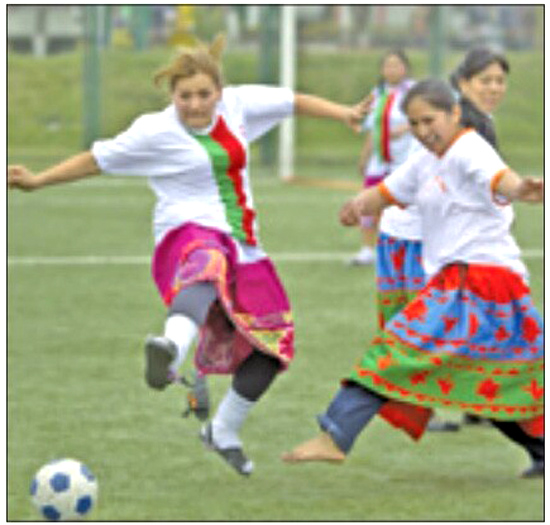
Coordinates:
(434,91)
(401,55)
(475,61)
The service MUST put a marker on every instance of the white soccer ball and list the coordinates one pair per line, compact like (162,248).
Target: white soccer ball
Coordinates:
(64,490)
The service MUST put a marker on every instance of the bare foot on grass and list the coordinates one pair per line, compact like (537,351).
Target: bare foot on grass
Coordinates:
(320,448)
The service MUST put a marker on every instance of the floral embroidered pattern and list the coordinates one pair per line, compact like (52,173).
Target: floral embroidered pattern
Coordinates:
(470,340)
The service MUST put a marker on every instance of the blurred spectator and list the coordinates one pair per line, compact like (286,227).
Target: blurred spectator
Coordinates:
(518,25)
(162,22)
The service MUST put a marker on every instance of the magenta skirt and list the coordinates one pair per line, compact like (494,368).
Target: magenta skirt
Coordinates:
(252,310)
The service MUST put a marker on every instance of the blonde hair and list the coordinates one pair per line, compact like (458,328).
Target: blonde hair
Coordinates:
(202,58)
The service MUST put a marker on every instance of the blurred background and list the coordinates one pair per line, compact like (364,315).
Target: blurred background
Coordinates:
(79,72)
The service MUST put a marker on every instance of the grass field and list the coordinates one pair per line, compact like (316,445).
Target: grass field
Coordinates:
(75,388)
(80,302)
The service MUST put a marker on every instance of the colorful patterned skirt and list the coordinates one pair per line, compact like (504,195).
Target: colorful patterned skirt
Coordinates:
(252,310)
(400,275)
(471,340)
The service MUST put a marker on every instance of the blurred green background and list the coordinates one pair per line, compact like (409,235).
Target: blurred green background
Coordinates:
(47,101)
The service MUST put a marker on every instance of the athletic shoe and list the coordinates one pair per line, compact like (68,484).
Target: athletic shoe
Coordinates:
(439,425)
(536,470)
(363,257)
(159,354)
(471,419)
(198,401)
(233,456)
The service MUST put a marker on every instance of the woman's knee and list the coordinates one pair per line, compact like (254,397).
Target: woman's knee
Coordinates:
(194,301)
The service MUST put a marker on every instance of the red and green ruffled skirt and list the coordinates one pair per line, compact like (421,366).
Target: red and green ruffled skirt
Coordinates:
(470,340)
(400,275)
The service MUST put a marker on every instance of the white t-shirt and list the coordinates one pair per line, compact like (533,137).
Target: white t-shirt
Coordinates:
(462,219)
(200,177)
(403,223)
(399,147)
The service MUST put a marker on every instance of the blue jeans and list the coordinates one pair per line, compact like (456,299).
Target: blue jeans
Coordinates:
(348,414)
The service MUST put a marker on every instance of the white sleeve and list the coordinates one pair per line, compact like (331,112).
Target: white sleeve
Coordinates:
(129,153)
(402,183)
(264,107)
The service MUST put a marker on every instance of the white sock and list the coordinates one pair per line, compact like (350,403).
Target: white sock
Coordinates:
(230,416)
(182,331)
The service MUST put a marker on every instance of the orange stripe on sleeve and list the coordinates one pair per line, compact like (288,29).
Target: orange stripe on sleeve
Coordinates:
(383,189)
(499,199)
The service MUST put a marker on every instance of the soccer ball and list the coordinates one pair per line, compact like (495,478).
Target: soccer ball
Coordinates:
(64,490)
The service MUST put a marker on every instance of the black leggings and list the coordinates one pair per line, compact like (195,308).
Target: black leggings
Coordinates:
(513,431)
(257,371)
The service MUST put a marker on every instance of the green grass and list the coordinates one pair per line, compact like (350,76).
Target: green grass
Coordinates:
(75,385)
(45,102)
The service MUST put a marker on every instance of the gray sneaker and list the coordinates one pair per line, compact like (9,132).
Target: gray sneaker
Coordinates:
(233,456)
(198,401)
(159,353)
(536,470)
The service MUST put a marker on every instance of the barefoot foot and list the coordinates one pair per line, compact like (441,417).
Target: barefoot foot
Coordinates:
(320,448)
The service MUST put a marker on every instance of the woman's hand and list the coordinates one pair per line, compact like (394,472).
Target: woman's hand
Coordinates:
(349,215)
(74,168)
(314,106)
(21,178)
(355,115)
(370,201)
(515,188)
(530,190)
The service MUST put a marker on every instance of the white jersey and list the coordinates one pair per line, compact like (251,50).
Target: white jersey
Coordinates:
(200,177)
(398,147)
(462,218)
(403,223)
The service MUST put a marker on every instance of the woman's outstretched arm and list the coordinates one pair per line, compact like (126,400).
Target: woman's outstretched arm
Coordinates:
(74,168)
(314,106)
(370,201)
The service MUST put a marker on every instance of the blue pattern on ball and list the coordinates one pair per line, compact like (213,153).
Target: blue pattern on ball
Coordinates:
(60,482)
(84,504)
(51,513)
(86,472)
(34,487)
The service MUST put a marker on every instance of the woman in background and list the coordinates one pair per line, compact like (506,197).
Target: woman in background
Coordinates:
(481,83)
(388,139)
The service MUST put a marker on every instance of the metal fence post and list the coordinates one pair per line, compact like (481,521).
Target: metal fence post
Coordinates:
(269,70)
(91,84)
(437,40)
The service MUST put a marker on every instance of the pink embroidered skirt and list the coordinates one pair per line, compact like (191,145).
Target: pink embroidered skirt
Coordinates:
(252,310)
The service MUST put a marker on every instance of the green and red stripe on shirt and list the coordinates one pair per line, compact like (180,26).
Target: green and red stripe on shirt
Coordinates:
(228,158)
(381,129)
